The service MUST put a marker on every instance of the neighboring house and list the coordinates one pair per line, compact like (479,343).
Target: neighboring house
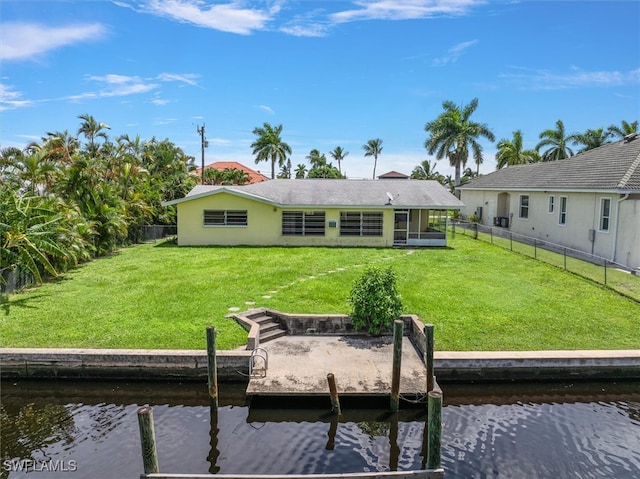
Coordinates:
(393,175)
(589,202)
(320,212)
(254,176)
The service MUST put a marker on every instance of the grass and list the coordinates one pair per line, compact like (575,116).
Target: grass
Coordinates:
(480,297)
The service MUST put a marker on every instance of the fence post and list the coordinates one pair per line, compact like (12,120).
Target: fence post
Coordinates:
(212,367)
(491,234)
(148,440)
(398,330)
(565,258)
(434,425)
(605,272)
(535,249)
(511,240)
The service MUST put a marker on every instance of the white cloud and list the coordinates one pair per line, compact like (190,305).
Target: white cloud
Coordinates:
(188,78)
(230,17)
(22,41)
(453,53)
(11,99)
(266,108)
(403,9)
(160,102)
(531,79)
(305,30)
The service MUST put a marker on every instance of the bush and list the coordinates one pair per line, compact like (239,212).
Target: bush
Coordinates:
(375,300)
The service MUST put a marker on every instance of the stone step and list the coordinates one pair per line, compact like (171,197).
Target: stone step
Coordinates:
(260,318)
(268,336)
(268,326)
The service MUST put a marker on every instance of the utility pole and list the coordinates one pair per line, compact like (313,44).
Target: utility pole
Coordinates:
(204,144)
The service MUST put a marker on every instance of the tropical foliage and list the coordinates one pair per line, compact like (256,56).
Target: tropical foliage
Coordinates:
(373,148)
(64,201)
(269,146)
(338,154)
(556,141)
(452,134)
(511,152)
(427,171)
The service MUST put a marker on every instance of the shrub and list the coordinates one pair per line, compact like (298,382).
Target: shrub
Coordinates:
(375,300)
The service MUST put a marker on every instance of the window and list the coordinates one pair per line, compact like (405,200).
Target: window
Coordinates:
(225,217)
(605,213)
(360,223)
(552,203)
(524,207)
(562,218)
(303,223)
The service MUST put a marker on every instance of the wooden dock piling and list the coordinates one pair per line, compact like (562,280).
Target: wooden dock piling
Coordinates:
(333,391)
(212,369)
(148,440)
(398,332)
(429,347)
(434,425)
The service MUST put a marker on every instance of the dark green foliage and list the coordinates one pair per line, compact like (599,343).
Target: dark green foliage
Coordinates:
(375,300)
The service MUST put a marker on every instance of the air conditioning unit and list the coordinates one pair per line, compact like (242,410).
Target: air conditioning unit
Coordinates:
(332,223)
(479,212)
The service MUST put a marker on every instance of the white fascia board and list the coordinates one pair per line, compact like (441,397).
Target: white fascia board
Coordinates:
(216,192)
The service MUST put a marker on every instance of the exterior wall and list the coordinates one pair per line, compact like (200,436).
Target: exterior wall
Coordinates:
(582,228)
(264,225)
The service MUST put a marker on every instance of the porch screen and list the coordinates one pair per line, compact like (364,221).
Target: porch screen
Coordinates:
(360,223)
(225,217)
(303,223)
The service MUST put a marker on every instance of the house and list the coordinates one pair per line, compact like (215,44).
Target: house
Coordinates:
(254,176)
(589,202)
(322,212)
(393,175)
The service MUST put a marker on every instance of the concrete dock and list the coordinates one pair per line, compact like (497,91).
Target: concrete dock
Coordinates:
(298,366)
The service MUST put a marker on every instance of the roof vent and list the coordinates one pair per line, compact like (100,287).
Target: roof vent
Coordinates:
(629,138)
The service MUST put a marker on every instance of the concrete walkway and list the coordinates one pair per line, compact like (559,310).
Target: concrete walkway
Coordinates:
(298,365)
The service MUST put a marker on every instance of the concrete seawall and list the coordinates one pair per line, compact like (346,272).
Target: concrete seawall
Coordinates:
(191,365)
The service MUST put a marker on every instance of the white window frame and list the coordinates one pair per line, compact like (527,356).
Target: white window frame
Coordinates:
(522,207)
(562,211)
(552,204)
(227,218)
(303,223)
(603,217)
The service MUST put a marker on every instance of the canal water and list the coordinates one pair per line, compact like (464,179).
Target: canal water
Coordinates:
(82,430)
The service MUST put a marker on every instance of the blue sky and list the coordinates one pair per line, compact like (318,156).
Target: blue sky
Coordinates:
(333,73)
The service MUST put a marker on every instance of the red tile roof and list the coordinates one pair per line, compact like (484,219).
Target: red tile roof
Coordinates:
(394,175)
(254,176)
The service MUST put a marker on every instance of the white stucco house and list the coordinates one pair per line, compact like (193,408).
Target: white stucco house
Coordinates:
(589,202)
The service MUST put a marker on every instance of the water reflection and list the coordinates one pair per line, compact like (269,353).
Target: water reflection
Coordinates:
(570,431)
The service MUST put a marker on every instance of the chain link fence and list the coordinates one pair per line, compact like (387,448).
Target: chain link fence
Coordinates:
(612,275)
(152,233)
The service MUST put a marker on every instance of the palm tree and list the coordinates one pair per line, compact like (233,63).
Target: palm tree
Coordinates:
(91,129)
(301,171)
(373,148)
(316,159)
(558,143)
(591,139)
(270,147)
(624,129)
(213,176)
(338,154)
(426,171)
(510,152)
(453,133)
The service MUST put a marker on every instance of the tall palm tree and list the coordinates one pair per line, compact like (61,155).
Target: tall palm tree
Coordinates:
(453,133)
(338,154)
(316,159)
(510,152)
(301,171)
(91,129)
(624,129)
(591,139)
(270,147)
(373,148)
(558,143)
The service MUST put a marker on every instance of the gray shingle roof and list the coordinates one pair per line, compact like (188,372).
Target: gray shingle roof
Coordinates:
(614,166)
(339,193)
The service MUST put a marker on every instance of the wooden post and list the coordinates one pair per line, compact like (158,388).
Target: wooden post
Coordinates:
(333,391)
(398,331)
(148,440)
(428,352)
(394,449)
(434,443)
(333,430)
(212,369)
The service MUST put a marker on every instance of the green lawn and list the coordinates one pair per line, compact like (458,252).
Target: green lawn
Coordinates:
(479,296)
